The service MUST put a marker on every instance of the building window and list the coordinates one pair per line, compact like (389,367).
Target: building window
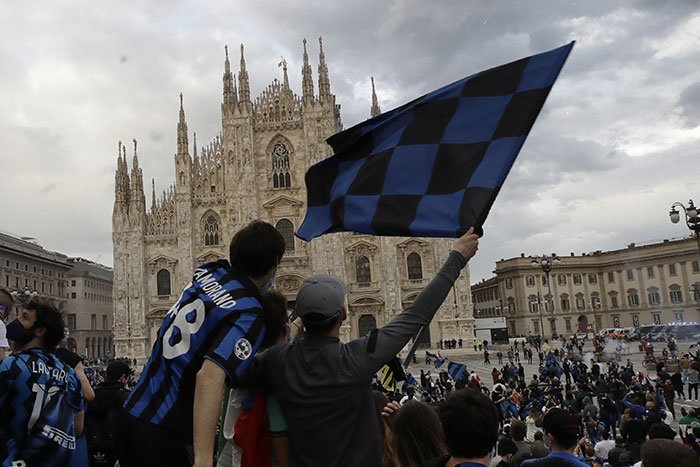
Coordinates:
(595,301)
(512,328)
(613,301)
(650,272)
(696,292)
(530,280)
(544,280)
(73,296)
(211,230)
(532,303)
(561,279)
(696,266)
(72,283)
(580,302)
(509,283)
(577,279)
(71,322)
(635,321)
(286,229)
(656,318)
(415,267)
(280,167)
(536,326)
(654,296)
(548,304)
(93,322)
(565,305)
(567,323)
(630,275)
(672,269)
(679,316)
(632,298)
(163,282)
(616,321)
(362,271)
(104,322)
(676,296)
(592,279)
(611,277)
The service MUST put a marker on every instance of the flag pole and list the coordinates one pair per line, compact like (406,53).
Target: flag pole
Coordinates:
(412,351)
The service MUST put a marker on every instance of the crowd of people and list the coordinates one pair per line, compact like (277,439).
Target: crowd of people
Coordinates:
(232,380)
(613,412)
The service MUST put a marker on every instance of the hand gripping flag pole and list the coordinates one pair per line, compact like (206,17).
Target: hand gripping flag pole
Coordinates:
(434,166)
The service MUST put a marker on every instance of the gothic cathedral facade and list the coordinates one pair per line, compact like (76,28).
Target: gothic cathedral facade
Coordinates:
(254,169)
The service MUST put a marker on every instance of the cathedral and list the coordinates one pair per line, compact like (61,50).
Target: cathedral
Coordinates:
(254,169)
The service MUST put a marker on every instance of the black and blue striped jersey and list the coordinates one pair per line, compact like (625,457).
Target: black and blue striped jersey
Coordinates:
(39,397)
(218,317)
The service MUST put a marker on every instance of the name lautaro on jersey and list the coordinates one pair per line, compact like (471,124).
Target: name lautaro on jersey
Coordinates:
(58,374)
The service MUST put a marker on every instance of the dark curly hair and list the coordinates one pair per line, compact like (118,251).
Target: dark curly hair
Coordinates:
(49,318)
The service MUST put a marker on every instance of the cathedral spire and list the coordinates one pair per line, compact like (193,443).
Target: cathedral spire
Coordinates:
(136,157)
(324,84)
(137,198)
(121,178)
(375,110)
(230,97)
(153,195)
(285,79)
(182,143)
(244,86)
(307,82)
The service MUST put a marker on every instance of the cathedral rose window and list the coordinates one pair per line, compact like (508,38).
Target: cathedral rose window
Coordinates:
(211,231)
(280,167)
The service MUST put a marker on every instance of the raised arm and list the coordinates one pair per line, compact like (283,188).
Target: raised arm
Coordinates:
(384,343)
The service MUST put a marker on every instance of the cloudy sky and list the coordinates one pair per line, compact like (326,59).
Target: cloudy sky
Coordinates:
(617,142)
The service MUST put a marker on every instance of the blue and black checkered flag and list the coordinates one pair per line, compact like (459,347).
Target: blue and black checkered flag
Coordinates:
(456,370)
(432,167)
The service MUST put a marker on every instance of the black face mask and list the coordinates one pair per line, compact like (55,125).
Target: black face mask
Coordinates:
(18,333)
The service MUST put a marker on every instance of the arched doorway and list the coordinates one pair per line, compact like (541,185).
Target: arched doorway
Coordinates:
(87,348)
(365,324)
(582,323)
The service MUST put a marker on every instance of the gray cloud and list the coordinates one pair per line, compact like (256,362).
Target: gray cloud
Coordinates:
(689,102)
(47,189)
(602,165)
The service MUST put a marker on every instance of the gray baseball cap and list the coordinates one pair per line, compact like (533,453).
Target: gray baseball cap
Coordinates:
(320,297)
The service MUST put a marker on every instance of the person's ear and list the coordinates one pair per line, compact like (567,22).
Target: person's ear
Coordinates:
(39,331)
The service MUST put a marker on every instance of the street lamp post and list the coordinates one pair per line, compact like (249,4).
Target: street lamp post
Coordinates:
(692,219)
(23,296)
(545,262)
(595,305)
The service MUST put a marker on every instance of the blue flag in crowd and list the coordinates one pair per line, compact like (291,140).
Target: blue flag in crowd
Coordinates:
(456,370)
(439,361)
(432,167)
(410,380)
